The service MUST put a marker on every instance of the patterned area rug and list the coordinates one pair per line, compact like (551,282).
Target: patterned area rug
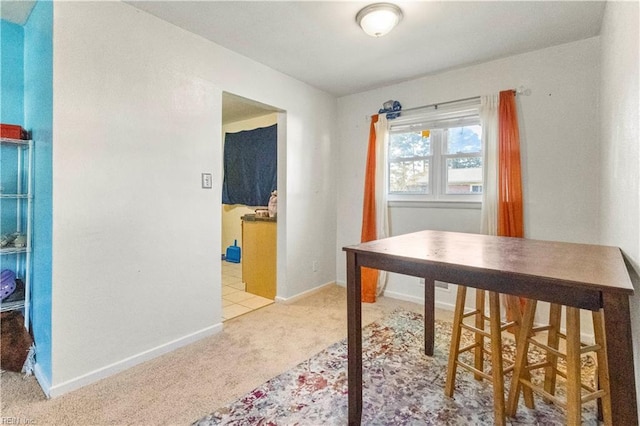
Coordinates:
(402,386)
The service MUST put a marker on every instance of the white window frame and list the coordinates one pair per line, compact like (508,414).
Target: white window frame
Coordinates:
(451,115)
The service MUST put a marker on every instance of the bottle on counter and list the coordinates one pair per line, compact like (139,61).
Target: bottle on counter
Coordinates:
(273,204)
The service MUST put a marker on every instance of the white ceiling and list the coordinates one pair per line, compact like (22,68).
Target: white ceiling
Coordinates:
(16,11)
(320,43)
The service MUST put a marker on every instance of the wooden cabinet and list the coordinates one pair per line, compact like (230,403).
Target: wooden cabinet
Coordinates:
(259,255)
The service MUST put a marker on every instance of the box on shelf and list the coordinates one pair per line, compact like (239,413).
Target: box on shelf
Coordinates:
(12,131)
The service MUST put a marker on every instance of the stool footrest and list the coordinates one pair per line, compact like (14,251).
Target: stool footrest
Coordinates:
(469,347)
(474,370)
(593,395)
(540,328)
(472,313)
(508,324)
(544,364)
(538,365)
(475,330)
(548,348)
(591,348)
(546,395)
(582,384)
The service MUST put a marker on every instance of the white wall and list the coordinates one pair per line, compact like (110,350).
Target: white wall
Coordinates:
(559,142)
(231,214)
(620,200)
(137,118)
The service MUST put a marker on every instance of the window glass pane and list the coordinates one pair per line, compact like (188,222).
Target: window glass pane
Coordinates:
(464,175)
(409,176)
(464,139)
(409,144)
(438,157)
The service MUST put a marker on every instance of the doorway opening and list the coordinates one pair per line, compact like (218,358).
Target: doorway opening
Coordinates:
(248,234)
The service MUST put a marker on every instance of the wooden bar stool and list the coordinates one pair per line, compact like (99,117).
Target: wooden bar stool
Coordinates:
(573,376)
(496,327)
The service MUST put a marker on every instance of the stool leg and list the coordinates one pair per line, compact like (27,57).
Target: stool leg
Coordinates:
(522,347)
(574,397)
(512,311)
(553,338)
(517,317)
(496,358)
(478,355)
(455,340)
(603,365)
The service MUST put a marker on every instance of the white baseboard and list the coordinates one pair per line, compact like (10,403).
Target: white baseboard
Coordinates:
(419,300)
(42,380)
(304,293)
(409,298)
(109,370)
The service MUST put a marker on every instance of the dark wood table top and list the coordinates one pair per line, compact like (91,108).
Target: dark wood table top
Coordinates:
(592,267)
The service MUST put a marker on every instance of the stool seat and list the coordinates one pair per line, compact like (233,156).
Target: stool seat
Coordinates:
(573,376)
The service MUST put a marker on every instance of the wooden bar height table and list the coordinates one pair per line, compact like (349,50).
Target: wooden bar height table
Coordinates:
(585,276)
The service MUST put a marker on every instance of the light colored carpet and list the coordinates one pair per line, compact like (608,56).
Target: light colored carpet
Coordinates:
(185,385)
(401,385)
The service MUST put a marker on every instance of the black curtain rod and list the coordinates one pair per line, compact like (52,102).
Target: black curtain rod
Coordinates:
(440,103)
(435,105)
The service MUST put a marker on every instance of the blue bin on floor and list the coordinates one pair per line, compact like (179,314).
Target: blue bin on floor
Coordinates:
(233,253)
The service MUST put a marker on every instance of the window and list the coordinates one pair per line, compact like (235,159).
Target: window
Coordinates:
(436,156)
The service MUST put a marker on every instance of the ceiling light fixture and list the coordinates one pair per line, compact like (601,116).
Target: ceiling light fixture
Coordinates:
(379,18)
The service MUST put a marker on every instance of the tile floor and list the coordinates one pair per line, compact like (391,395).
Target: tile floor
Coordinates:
(235,300)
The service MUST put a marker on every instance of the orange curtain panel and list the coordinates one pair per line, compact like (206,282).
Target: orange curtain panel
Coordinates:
(369,233)
(510,219)
(510,216)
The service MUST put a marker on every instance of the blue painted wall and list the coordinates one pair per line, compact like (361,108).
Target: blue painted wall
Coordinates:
(38,117)
(11,112)
(26,71)
(12,72)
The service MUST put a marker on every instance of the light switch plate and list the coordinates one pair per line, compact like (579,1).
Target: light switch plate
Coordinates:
(207,181)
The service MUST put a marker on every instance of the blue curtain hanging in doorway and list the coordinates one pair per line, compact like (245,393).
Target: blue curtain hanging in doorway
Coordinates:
(250,166)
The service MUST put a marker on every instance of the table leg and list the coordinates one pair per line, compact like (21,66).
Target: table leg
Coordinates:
(429,315)
(617,324)
(574,399)
(354,339)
